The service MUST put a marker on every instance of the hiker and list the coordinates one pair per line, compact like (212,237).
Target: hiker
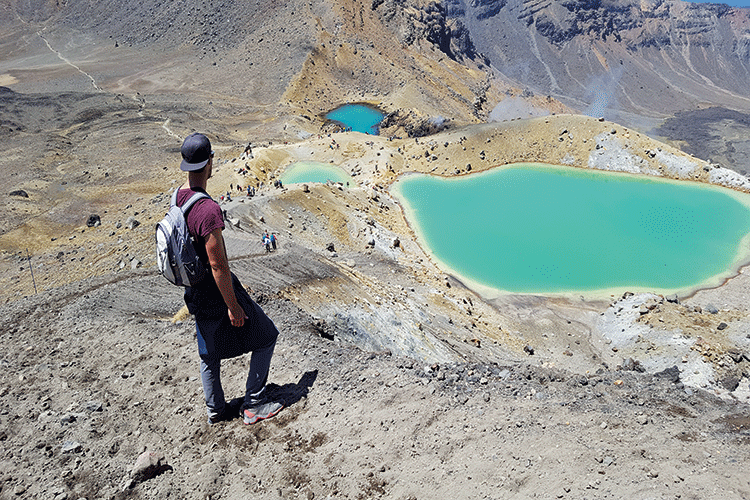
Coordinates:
(227,321)
(273,240)
(266,242)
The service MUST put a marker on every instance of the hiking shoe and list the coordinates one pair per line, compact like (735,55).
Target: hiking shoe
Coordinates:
(220,417)
(228,413)
(261,411)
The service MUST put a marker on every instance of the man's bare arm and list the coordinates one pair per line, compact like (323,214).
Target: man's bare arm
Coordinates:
(217,259)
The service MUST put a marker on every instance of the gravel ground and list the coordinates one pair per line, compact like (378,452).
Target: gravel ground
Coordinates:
(95,373)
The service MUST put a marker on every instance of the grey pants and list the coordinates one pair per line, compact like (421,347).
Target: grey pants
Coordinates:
(260,363)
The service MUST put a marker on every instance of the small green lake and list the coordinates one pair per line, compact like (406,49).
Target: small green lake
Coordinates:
(358,117)
(532,228)
(313,171)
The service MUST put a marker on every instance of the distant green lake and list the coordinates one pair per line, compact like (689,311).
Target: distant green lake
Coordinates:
(313,171)
(358,117)
(532,228)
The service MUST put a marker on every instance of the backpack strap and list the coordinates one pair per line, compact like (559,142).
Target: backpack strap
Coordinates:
(186,206)
(189,203)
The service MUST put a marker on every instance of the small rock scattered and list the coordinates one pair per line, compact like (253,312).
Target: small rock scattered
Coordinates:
(132,223)
(71,447)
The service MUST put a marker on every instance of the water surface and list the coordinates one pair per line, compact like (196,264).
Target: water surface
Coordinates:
(358,117)
(313,171)
(539,229)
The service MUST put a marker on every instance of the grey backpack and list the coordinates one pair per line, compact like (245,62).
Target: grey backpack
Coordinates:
(176,257)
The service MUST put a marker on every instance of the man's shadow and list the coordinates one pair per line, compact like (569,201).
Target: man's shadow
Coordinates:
(288,394)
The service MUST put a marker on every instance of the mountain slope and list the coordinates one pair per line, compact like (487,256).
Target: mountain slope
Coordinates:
(651,57)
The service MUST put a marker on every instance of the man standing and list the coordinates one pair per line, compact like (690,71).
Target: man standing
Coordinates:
(228,322)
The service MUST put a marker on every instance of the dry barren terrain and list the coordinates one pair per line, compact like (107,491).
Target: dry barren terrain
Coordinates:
(401,381)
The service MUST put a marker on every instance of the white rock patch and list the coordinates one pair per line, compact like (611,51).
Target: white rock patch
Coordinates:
(677,165)
(728,178)
(611,155)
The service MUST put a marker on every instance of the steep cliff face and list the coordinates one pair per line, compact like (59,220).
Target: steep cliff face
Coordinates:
(650,57)
(436,22)
(588,18)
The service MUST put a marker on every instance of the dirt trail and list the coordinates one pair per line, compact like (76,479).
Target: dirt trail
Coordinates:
(94,373)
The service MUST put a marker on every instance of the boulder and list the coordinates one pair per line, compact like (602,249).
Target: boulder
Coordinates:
(672,374)
(94,221)
(149,464)
(730,382)
(132,223)
(735,354)
(632,365)
(71,447)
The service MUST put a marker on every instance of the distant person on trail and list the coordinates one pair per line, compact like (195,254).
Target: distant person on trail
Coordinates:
(227,321)
(266,242)
(273,240)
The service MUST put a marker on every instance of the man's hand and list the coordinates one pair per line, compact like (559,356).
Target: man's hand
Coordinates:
(238,316)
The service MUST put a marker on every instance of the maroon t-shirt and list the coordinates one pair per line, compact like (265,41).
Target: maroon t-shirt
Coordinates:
(204,216)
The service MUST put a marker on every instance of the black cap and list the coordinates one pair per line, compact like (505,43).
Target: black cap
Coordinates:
(196,151)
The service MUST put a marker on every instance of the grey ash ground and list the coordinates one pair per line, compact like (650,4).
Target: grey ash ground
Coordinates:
(95,373)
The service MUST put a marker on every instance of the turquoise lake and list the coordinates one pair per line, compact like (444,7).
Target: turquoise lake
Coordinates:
(540,229)
(358,117)
(313,171)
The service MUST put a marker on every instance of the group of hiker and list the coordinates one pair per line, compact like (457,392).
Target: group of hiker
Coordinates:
(249,191)
(269,241)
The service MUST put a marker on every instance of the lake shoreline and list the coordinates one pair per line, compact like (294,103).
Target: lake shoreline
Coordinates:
(633,228)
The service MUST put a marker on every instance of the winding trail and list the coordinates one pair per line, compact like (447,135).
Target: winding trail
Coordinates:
(136,97)
(69,63)
(165,126)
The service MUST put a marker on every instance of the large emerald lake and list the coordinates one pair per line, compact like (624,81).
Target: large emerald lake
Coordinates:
(534,228)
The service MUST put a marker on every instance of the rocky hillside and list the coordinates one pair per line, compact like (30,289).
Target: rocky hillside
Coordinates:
(630,61)
(650,57)
(363,51)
